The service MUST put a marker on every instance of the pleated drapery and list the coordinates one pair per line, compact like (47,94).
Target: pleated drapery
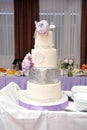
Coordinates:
(83,48)
(6,33)
(25,14)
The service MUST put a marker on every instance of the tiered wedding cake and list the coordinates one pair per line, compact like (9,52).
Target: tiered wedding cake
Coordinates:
(44,87)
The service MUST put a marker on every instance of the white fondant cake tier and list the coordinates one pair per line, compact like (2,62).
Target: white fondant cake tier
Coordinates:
(44,57)
(26,102)
(44,41)
(44,75)
(44,93)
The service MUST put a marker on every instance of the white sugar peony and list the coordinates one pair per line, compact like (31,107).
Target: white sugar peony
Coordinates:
(42,26)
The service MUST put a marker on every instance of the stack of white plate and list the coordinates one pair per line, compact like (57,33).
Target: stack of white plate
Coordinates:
(78,89)
(80,101)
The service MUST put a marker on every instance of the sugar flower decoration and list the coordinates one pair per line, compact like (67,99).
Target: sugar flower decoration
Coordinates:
(42,26)
(27,62)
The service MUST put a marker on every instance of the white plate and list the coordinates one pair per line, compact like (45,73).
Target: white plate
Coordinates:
(80,101)
(78,89)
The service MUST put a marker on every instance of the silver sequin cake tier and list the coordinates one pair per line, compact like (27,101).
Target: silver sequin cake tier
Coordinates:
(44,75)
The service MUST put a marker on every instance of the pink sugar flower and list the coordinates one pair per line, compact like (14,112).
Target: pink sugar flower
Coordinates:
(27,62)
(42,27)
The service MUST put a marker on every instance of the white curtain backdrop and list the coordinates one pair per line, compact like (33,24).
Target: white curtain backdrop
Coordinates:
(6,33)
(66,15)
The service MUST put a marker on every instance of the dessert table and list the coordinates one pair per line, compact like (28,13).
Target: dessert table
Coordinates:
(15,117)
(66,82)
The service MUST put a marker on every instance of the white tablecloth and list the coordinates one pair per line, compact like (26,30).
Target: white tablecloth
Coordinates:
(15,117)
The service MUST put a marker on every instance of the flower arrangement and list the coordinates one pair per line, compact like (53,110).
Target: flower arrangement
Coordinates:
(27,62)
(67,63)
(42,27)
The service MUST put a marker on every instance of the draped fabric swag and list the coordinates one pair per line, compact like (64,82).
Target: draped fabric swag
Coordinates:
(6,33)
(83,49)
(25,14)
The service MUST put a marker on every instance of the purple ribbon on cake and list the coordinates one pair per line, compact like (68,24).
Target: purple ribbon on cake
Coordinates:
(56,107)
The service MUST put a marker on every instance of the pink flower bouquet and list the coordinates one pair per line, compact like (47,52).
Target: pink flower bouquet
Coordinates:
(67,63)
(27,62)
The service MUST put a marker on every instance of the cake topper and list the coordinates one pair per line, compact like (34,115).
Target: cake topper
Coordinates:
(42,27)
